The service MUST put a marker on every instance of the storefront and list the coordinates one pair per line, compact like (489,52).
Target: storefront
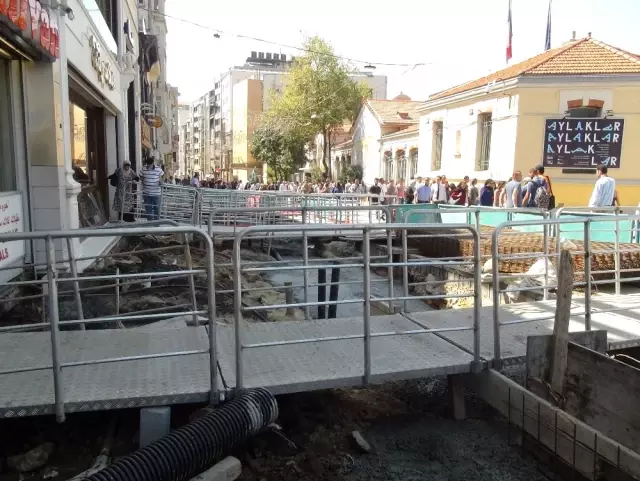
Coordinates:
(28,35)
(95,106)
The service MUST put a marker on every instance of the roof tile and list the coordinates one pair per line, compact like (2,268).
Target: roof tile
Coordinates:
(586,56)
(395,111)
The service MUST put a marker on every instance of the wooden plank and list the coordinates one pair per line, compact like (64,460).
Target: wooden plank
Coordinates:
(539,358)
(572,440)
(561,324)
(604,393)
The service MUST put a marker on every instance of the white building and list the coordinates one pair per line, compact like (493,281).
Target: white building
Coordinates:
(384,126)
(271,69)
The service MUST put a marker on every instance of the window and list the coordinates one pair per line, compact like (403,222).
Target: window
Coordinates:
(484,142)
(585,112)
(401,162)
(7,157)
(438,132)
(108,10)
(458,139)
(387,166)
(413,163)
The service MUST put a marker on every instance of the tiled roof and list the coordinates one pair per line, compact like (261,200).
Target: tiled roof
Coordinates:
(395,111)
(586,56)
(408,130)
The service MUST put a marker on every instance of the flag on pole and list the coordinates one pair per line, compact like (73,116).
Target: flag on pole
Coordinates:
(547,43)
(510,39)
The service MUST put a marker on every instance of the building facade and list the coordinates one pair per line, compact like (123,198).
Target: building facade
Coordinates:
(66,74)
(555,109)
(378,125)
(217,138)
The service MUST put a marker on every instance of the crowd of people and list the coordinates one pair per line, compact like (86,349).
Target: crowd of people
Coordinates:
(534,191)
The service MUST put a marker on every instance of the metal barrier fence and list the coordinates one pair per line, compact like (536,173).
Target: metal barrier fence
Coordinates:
(190,205)
(50,281)
(254,216)
(367,263)
(591,278)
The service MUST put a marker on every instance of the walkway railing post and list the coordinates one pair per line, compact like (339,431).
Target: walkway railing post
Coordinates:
(495,278)
(545,242)
(587,274)
(477,294)
(366,287)
(617,255)
(405,270)
(237,301)
(213,327)
(52,279)
(305,262)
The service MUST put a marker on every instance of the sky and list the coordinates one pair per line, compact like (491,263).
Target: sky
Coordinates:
(442,43)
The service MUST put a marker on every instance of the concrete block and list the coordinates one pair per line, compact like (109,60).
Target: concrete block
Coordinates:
(226,470)
(155,423)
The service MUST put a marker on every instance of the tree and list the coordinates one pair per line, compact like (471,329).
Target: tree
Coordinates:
(350,173)
(319,94)
(282,149)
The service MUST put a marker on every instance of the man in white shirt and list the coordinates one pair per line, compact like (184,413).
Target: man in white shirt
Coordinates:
(604,190)
(423,192)
(440,190)
(151,176)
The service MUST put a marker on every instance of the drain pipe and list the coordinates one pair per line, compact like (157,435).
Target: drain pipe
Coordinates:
(193,448)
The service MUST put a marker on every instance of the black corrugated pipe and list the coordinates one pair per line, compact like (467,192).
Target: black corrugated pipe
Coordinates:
(193,448)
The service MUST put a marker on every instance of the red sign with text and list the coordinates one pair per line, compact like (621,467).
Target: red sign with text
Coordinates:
(35,22)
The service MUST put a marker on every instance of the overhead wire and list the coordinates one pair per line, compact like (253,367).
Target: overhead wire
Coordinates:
(279,44)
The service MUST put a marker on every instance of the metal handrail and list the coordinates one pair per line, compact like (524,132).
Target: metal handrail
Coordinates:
(366,230)
(587,252)
(303,210)
(54,319)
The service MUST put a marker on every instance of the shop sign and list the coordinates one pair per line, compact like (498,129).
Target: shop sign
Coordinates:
(156,122)
(11,221)
(34,21)
(145,134)
(100,65)
(583,143)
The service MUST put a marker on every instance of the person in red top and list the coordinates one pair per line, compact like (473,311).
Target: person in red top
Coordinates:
(459,194)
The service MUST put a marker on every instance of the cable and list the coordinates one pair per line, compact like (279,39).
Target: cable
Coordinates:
(270,42)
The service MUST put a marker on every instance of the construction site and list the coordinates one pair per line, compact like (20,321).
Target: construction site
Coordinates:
(301,338)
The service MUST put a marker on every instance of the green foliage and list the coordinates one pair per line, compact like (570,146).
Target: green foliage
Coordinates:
(351,172)
(317,173)
(319,95)
(280,148)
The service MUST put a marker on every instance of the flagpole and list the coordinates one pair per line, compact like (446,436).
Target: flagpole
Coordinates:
(509,52)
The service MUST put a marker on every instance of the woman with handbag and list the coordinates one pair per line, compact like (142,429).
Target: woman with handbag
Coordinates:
(124,201)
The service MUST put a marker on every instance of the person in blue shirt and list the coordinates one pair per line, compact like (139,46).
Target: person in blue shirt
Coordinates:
(486,194)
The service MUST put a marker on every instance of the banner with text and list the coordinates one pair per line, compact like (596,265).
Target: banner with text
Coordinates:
(583,143)
(11,221)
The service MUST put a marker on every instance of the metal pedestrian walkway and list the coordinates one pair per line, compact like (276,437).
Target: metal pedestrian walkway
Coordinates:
(68,367)
(396,355)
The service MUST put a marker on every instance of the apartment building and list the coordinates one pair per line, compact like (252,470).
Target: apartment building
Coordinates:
(211,138)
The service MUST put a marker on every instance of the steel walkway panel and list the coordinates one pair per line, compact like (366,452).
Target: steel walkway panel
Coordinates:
(623,327)
(331,364)
(160,381)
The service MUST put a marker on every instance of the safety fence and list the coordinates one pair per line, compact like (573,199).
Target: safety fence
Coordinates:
(239,217)
(65,300)
(597,264)
(188,205)
(361,293)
